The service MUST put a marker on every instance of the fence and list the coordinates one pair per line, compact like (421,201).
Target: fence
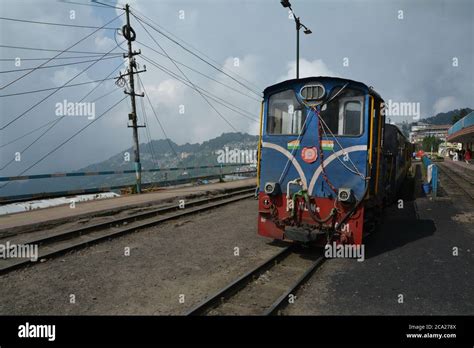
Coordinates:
(430,166)
(219,175)
(465,122)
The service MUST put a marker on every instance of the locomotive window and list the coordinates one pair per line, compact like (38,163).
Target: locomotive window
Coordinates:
(343,114)
(352,118)
(285,114)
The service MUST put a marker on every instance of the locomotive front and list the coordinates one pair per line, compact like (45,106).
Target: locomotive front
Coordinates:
(319,154)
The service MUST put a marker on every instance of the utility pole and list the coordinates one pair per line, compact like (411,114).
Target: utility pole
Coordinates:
(129,34)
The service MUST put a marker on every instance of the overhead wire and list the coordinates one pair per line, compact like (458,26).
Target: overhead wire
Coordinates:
(57,58)
(182,73)
(65,50)
(147,127)
(83,4)
(158,120)
(50,49)
(49,95)
(54,24)
(215,98)
(56,65)
(28,133)
(51,88)
(69,138)
(194,48)
(200,73)
(197,56)
(59,119)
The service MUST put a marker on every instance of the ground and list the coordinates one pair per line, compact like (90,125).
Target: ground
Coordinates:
(411,267)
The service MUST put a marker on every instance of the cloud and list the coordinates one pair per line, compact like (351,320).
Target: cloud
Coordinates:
(307,68)
(445,104)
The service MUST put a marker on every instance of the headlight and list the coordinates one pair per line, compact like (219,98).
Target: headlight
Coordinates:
(345,195)
(271,188)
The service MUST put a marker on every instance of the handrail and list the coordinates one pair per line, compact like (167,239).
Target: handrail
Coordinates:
(434,174)
(113,172)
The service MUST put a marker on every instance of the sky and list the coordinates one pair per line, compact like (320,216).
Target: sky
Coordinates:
(416,51)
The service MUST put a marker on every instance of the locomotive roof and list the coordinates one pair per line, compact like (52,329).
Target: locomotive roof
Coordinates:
(291,82)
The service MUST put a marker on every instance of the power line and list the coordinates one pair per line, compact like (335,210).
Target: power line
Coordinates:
(54,24)
(51,88)
(82,4)
(197,50)
(26,74)
(98,2)
(182,73)
(30,132)
(102,81)
(215,98)
(157,119)
(200,73)
(49,95)
(53,58)
(56,65)
(197,56)
(50,49)
(59,119)
(147,131)
(105,95)
(69,139)
(34,141)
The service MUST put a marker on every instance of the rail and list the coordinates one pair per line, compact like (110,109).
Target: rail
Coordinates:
(430,166)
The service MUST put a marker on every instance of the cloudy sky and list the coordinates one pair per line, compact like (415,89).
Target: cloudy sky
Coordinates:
(410,51)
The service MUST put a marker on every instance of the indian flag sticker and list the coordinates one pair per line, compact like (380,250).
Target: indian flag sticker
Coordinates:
(327,145)
(292,145)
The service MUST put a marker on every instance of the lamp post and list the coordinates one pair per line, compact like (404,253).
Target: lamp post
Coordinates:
(299,25)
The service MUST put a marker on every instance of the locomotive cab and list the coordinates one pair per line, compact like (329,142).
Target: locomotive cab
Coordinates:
(320,153)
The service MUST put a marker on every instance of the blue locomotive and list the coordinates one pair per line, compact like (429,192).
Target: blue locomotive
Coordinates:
(328,162)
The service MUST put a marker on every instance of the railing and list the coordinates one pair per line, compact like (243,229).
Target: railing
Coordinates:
(430,166)
(465,122)
(162,183)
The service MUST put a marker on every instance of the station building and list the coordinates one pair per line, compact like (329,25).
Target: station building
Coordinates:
(463,132)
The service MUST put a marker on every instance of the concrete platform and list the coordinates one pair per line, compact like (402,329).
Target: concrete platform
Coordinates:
(419,262)
(460,165)
(42,218)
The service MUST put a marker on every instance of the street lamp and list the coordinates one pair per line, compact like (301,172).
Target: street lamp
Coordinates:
(299,25)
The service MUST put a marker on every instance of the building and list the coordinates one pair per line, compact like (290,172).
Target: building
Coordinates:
(421,130)
(463,132)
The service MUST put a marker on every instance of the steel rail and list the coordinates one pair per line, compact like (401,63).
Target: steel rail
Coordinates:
(239,284)
(452,175)
(78,238)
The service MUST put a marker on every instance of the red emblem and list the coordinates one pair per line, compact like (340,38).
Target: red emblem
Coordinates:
(309,154)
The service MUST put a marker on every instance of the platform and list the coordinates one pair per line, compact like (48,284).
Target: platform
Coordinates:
(460,165)
(62,214)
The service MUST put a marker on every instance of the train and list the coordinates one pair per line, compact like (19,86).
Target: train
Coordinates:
(328,162)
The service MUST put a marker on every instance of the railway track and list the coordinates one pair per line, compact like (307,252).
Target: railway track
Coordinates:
(56,243)
(266,289)
(460,181)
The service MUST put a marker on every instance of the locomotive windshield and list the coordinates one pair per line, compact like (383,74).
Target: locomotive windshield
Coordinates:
(285,114)
(344,113)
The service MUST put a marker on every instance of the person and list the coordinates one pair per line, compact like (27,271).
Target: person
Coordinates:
(467,156)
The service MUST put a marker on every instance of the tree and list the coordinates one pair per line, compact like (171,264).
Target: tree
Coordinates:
(462,113)
(431,143)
